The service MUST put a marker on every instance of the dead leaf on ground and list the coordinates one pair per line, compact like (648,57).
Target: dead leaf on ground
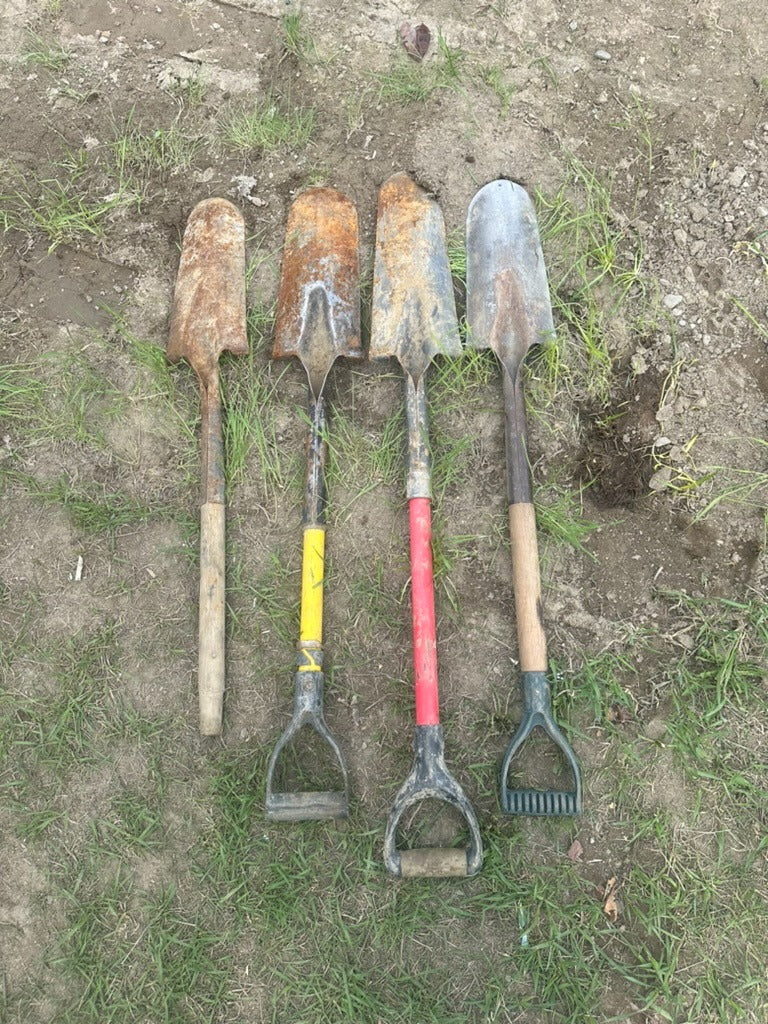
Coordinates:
(415,39)
(575,850)
(610,905)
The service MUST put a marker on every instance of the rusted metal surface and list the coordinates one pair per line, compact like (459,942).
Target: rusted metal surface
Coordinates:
(508,306)
(414,313)
(209,300)
(318,305)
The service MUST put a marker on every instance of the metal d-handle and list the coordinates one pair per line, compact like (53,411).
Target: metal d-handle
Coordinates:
(307,805)
(430,779)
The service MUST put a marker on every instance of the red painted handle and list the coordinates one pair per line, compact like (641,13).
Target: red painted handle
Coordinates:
(423,600)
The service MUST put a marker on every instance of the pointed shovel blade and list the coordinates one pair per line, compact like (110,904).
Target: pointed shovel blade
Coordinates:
(209,300)
(508,306)
(318,305)
(414,312)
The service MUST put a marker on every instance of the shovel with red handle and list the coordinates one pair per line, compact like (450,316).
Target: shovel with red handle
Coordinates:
(414,319)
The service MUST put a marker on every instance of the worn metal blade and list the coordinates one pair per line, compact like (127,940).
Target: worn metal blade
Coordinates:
(414,312)
(209,299)
(508,305)
(318,305)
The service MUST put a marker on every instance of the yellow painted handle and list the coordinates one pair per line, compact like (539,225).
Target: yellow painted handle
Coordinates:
(312,569)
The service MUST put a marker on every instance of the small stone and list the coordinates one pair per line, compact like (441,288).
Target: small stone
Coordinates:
(639,365)
(672,301)
(656,729)
(602,55)
(661,479)
(737,176)
(697,211)
(681,237)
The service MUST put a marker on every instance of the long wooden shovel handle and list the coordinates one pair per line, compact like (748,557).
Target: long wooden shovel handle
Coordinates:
(522,531)
(531,640)
(211,633)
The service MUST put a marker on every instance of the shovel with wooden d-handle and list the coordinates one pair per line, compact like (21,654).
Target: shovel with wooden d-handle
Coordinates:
(508,310)
(209,318)
(414,319)
(318,319)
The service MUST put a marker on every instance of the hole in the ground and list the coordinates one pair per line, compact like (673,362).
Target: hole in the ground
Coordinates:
(616,460)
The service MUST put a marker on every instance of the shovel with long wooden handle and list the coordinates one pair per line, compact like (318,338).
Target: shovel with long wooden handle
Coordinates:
(318,320)
(208,319)
(508,310)
(414,319)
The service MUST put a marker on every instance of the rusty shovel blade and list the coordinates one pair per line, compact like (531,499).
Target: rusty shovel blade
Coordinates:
(508,306)
(414,312)
(209,300)
(318,305)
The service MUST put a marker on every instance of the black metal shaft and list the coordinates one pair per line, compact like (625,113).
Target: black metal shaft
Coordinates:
(314,489)
(519,487)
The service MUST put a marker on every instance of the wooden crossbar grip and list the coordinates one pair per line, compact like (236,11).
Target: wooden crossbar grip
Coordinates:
(434,862)
(527,582)
(210,676)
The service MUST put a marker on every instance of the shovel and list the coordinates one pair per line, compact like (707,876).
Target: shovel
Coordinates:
(414,319)
(508,310)
(318,318)
(209,318)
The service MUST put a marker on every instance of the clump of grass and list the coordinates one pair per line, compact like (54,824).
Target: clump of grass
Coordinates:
(140,153)
(91,508)
(66,208)
(594,266)
(407,81)
(560,513)
(493,77)
(249,426)
(269,127)
(46,54)
(746,487)
(296,37)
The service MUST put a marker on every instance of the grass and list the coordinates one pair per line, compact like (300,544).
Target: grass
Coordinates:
(269,126)
(407,81)
(595,268)
(45,53)
(92,508)
(296,36)
(140,154)
(65,208)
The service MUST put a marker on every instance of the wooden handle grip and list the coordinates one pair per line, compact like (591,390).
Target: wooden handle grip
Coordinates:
(527,582)
(210,677)
(434,862)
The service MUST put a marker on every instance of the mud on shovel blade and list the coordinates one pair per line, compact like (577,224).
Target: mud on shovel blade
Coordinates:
(508,310)
(414,319)
(208,319)
(318,317)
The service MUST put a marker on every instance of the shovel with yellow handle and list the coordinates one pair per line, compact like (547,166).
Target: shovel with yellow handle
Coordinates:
(318,318)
